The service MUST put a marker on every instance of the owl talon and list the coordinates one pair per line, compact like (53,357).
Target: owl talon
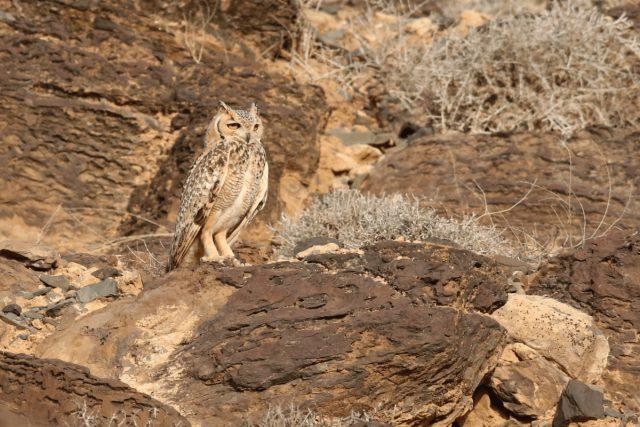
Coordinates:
(213,259)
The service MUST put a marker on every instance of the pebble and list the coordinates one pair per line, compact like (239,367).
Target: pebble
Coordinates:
(60,282)
(106,272)
(12,308)
(107,287)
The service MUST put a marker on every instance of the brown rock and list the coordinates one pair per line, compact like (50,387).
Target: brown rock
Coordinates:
(528,387)
(42,392)
(103,112)
(34,256)
(460,173)
(603,279)
(398,326)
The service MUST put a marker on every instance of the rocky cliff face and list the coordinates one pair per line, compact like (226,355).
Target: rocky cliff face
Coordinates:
(532,183)
(104,108)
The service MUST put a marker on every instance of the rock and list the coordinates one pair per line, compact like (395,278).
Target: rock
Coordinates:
(15,320)
(353,138)
(314,241)
(32,315)
(528,387)
(486,414)
(106,272)
(54,309)
(37,293)
(124,87)
(12,308)
(603,280)
(37,257)
(450,170)
(107,287)
(579,402)
(51,392)
(318,250)
(60,282)
(558,332)
(321,334)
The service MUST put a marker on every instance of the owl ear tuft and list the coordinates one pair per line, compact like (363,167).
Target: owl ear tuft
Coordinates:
(224,107)
(254,109)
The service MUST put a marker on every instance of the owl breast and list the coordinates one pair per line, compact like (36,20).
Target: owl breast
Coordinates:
(240,188)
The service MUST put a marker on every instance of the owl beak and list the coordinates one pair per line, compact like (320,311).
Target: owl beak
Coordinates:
(247,137)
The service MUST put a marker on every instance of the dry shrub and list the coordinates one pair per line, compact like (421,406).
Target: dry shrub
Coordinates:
(561,70)
(357,219)
(294,416)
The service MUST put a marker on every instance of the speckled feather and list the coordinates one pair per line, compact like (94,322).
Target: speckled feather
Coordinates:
(212,185)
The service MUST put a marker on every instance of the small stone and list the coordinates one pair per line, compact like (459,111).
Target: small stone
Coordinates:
(23,336)
(60,282)
(36,293)
(6,17)
(54,309)
(106,272)
(70,294)
(107,287)
(14,320)
(12,308)
(314,241)
(318,250)
(579,402)
(37,323)
(32,315)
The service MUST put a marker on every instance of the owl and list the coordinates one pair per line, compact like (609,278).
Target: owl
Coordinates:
(226,187)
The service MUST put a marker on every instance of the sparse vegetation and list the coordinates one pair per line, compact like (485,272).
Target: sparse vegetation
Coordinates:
(562,70)
(294,416)
(357,219)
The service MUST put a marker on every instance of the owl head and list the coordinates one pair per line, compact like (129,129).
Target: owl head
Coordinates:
(228,123)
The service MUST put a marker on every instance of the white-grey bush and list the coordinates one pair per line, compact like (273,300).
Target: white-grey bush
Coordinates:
(357,219)
(561,70)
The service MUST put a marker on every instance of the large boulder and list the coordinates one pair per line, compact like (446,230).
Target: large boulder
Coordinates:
(103,109)
(39,392)
(559,332)
(603,279)
(397,328)
(554,190)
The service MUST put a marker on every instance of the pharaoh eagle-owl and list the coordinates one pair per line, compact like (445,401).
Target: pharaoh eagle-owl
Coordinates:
(226,187)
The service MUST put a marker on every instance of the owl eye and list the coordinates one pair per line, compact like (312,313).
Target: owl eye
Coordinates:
(233,125)
(256,126)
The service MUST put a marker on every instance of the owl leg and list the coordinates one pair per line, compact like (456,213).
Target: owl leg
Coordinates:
(222,244)
(210,251)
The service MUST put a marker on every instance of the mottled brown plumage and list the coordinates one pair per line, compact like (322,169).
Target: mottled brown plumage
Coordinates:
(226,187)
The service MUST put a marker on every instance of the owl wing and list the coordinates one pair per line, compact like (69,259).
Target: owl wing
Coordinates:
(201,189)
(258,203)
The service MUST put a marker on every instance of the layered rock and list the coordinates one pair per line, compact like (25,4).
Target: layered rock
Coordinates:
(553,190)
(395,326)
(104,108)
(40,392)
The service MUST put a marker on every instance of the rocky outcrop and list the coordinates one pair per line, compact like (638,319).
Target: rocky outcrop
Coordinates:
(550,182)
(40,392)
(104,108)
(602,279)
(397,325)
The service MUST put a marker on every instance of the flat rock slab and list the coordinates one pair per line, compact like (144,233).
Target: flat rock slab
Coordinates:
(400,325)
(105,288)
(60,282)
(37,257)
(50,392)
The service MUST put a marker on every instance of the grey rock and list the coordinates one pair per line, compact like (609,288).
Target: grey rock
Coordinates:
(60,282)
(579,402)
(6,17)
(36,293)
(32,315)
(16,321)
(106,272)
(107,287)
(23,336)
(353,138)
(12,308)
(53,310)
(314,241)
